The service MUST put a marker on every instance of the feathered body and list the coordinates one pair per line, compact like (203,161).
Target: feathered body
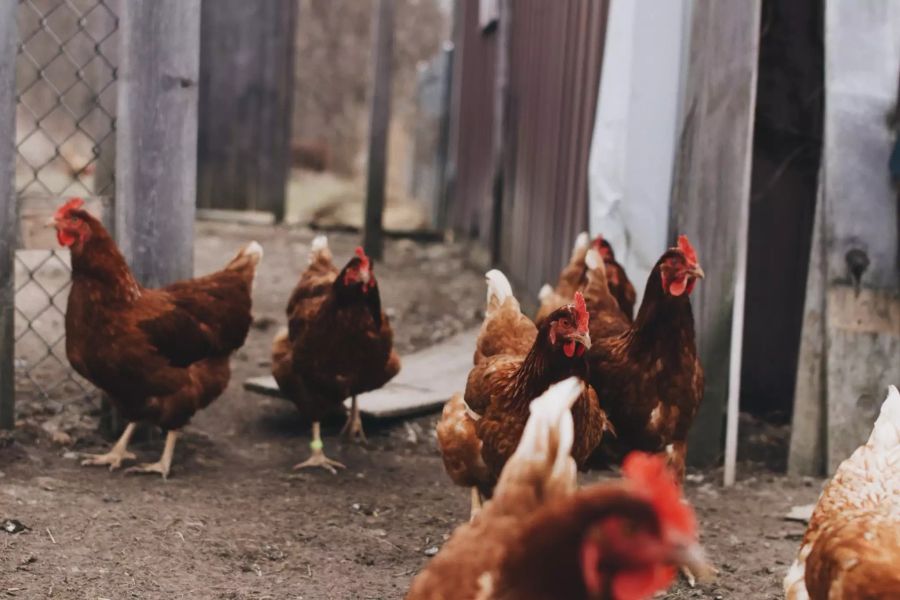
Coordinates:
(539,539)
(513,365)
(160,354)
(852,546)
(574,278)
(339,342)
(649,377)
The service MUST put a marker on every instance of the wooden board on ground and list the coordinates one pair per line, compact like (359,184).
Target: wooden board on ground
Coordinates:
(426,381)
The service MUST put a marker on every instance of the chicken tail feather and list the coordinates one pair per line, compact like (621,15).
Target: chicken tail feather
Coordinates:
(546,443)
(886,432)
(498,290)
(246,260)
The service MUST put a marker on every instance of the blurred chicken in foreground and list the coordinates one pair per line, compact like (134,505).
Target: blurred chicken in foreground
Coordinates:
(160,354)
(338,344)
(851,549)
(539,539)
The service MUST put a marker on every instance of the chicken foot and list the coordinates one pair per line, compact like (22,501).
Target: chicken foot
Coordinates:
(117,453)
(353,428)
(318,458)
(164,463)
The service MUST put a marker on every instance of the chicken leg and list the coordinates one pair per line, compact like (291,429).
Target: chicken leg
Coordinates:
(318,458)
(164,463)
(117,453)
(477,504)
(353,428)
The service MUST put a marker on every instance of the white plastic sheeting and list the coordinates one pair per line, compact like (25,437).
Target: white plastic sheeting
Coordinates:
(635,129)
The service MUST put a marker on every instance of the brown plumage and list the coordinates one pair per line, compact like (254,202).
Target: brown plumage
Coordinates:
(573,278)
(339,342)
(649,377)
(160,354)
(478,434)
(539,539)
(619,285)
(607,318)
(852,546)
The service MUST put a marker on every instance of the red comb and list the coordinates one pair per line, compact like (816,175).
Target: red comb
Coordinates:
(685,246)
(650,473)
(364,260)
(72,204)
(581,311)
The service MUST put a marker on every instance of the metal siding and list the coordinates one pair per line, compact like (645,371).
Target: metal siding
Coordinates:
(554,73)
(473,125)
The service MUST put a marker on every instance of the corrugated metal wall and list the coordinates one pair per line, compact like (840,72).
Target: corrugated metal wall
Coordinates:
(473,125)
(554,72)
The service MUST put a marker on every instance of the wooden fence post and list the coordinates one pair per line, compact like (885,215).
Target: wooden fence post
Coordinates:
(379,125)
(9,39)
(711,191)
(246,97)
(851,328)
(156,146)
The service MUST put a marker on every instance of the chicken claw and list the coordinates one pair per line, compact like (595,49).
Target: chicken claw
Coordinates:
(318,458)
(117,453)
(143,468)
(353,428)
(113,458)
(164,463)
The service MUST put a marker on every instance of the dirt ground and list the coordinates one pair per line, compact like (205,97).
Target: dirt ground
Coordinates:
(234,522)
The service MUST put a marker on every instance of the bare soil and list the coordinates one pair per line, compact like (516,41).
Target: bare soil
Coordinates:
(234,522)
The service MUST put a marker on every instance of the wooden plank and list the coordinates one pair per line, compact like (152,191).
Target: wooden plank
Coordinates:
(862,59)
(426,381)
(806,455)
(379,125)
(9,39)
(711,190)
(246,99)
(156,146)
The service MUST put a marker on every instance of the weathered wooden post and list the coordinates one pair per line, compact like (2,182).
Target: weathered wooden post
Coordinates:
(156,147)
(9,39)
(710,198)
(851,328)
(246,96)
(379,124)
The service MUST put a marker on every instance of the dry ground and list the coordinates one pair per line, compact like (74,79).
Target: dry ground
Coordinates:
(234,522)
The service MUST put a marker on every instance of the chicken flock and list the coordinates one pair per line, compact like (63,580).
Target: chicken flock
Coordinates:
(587,383)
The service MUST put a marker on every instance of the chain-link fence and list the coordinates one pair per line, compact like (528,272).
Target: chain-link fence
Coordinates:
(65,136)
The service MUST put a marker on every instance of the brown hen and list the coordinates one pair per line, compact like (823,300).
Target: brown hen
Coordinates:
(338,344)
(649,377)
(160,354)
(478,433)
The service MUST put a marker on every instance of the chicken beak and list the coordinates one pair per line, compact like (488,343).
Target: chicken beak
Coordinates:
(692,558)
(50,223)
(583,338)
(365,276)
(697,272)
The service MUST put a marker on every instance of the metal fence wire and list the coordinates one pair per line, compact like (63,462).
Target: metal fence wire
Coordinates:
(65,135)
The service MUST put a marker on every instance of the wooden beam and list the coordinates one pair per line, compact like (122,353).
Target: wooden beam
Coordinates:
(9,40)
(711,193)
(156,146)
(246,100)
(379,126)
(862,314)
